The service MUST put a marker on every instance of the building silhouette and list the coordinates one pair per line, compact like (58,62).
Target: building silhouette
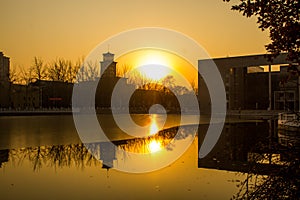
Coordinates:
(52,94)
(239,147)
(248,87)
(4,155)
(107,81)
(4,81)
(4,68)
(108,66)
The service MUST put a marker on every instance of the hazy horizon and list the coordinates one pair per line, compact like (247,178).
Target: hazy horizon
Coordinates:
(70,30)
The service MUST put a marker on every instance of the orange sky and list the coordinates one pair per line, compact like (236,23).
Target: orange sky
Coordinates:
(72,28)
(150,57)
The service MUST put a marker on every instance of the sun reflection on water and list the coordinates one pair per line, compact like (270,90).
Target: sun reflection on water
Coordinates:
(156,141)
(151,144)
(154,146)
(153,126)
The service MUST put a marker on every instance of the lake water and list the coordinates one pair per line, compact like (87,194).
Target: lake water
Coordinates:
(42,157)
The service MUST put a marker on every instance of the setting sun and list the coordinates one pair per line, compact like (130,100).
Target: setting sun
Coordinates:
(154,72)
(153,58)
(156,64)
(153,65)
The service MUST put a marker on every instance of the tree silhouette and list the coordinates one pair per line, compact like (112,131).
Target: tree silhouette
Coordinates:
(26,75)
(122,71)
(62,70)
(280,182)
(57,70)
(88,71)
(38,68)
(14,76)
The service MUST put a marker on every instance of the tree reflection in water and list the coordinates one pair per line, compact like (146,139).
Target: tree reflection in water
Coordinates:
(269,161)
(281,182)
(54,156)
(78,155)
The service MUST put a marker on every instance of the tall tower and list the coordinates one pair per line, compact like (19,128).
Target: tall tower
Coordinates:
(4,81)
(108,66)
(4,68)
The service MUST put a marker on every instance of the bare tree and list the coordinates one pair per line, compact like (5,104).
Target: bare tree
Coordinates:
(26,76)
(71,71)
(136,78)
(92,71)
(122,72)
(166,85)
(61,70)
(169,81)
(14,76)
(88,71)
(281,182)
(74,70)
(56,70)
(38,68)
(154,85)
(141,81)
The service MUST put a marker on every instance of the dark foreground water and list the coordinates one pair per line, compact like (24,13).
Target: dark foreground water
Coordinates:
(42,157)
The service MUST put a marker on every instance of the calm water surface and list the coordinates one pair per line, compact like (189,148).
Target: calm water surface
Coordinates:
(42,157)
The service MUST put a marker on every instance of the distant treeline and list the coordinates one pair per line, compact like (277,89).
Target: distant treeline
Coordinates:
(50,85)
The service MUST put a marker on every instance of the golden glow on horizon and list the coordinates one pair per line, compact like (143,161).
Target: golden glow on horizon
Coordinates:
(174,65)
(153,65)
(154,72)
(154,57)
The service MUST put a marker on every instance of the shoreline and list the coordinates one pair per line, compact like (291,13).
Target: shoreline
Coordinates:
(242,114)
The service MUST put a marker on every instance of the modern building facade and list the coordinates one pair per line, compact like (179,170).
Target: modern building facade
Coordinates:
(248,87)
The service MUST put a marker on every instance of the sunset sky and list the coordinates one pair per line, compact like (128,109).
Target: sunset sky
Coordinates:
(72,28)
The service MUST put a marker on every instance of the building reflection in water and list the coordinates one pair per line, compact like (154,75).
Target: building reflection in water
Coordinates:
(3,156)
(105,151)
(269,157)
(242,144)
(255,148)
(288,138)
(79,155)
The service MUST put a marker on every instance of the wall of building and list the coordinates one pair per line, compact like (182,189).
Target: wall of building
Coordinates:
(243,90)
(4,68)
(4,81)
(23,97)
(257,90)
(287,96)
(53,94)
